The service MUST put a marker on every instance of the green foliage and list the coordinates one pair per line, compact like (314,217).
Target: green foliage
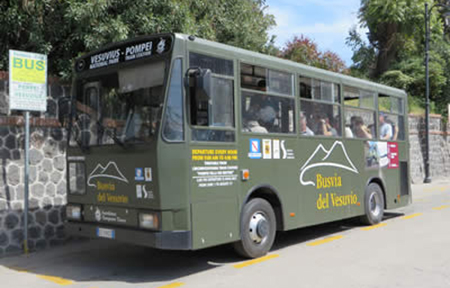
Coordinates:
(395,51)
(304,50)
(65,29)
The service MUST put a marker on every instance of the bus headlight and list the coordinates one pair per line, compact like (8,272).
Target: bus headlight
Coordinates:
(77,178)
(73,212)
(148,220)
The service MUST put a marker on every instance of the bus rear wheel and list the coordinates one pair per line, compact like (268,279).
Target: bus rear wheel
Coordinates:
(373,205)
(258,228)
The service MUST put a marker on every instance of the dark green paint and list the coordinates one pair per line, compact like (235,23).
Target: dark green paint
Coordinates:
(212,214)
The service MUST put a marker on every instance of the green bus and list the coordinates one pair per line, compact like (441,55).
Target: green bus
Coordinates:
(176,142)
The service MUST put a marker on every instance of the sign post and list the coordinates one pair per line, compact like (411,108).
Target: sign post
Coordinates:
(27,92)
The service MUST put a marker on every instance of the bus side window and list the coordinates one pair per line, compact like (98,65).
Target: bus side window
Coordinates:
(320,113)
(218,110)
(173,129)
(391,119)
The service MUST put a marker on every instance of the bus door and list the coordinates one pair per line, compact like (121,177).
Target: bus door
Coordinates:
(214,180)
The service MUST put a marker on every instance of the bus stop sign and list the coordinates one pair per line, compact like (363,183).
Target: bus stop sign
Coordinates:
(28,81)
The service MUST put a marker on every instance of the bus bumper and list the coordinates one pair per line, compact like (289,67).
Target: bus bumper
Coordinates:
(168,240)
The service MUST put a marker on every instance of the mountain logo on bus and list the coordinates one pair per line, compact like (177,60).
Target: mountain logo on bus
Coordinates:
(322,157)
(110,171)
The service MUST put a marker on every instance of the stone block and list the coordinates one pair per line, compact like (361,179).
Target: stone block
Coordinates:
(60,232)
(17,236)
(47,203)
(4,239)
(43,177)
(10,142)
(16,155)
(19,192)
(36,156)
(17,205)
(59,163)
(61,189)
(41,217)
(53,217)
(14,175)
(4,154)
(50,189)
(34,203)
(49,231)
(55,177)
(37,190)
(47,165)
(34,232)
(11,221)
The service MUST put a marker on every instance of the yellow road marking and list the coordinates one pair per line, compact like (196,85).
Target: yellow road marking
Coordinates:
(412,216)
(57,280)
(54,279)
(255,261)
(326,240)
(420,200)
(443,188)
(172,285)
(373,227)
(441,207)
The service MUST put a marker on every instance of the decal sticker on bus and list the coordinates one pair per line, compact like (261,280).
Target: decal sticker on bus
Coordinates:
(110,171)
(321,158)
(270,149)
(255,149)
(381,154)
(214,167)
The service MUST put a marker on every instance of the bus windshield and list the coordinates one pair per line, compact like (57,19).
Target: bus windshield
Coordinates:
(119,106)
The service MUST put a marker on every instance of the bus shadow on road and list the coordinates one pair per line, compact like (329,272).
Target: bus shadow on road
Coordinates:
(109,261)
(302,235)
(99,260)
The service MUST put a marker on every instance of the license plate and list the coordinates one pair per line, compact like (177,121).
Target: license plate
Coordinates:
(106,233)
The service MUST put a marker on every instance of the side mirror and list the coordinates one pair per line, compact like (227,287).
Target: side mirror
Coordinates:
(201,81)
(64,109)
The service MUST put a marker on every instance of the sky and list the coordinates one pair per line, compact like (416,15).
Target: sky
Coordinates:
(327,22)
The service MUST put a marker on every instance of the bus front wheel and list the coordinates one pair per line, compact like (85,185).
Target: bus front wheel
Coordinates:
(373,205)
(258,228)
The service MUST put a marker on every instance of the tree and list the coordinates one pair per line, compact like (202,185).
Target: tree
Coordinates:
(304,50)
(66,29)
(394,53)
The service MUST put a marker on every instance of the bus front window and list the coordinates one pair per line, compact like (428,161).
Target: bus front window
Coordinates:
(119,107)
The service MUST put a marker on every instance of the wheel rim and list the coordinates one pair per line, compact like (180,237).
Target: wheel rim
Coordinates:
(258,228)
(375,204)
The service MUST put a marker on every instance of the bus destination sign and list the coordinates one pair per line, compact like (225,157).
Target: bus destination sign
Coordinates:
(127,52)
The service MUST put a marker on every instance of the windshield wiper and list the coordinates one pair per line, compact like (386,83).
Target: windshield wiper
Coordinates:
(111,135)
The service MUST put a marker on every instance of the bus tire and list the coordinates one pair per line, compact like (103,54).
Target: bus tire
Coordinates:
(373,205)
(258,228)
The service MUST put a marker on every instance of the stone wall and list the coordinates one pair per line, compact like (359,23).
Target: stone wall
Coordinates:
(47,169)
(439,148)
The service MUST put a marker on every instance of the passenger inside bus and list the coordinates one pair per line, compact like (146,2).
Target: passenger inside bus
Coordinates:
(323,125)
(359,129)
(386,131)
(251,123)
(304,129)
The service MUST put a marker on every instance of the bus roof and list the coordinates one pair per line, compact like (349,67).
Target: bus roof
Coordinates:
(294,65)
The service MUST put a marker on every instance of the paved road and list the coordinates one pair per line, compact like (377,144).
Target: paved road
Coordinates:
(411,248)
